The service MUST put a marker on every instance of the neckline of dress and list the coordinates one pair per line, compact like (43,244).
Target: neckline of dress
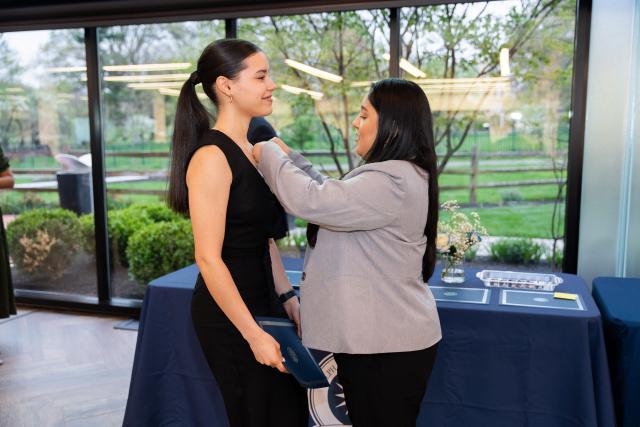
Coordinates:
(238,147)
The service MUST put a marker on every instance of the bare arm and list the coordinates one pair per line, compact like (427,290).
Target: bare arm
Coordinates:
(279,275)
(209,181)
(282,285)
(6,179)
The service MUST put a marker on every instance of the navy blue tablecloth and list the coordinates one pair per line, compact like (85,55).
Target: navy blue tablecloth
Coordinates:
(619,300)
(496,366)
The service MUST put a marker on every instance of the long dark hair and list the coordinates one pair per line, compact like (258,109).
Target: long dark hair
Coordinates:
(220,58)
(405,132)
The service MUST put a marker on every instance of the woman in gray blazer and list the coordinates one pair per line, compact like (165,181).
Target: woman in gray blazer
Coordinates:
(363,290)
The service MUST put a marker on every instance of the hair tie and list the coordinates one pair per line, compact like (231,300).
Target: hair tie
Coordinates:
(194,78)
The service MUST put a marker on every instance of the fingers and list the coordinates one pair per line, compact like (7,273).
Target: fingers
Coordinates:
(280,366)
(256,152)
(268,353)
(282,145)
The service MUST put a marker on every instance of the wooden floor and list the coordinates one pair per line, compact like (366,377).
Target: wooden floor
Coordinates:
(63,369)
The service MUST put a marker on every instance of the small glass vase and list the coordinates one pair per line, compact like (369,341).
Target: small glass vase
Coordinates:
(453,271)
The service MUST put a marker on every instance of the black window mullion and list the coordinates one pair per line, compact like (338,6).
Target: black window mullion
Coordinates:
(576,136)
(97,165)
(231,28)
(394,43)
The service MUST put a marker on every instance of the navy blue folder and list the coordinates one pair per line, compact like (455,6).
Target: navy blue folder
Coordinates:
(298,360)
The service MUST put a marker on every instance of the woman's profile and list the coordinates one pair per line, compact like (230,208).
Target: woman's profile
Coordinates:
(235,219)
(363,291)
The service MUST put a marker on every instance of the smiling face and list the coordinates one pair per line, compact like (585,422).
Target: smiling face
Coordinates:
(250,92)
(366,125)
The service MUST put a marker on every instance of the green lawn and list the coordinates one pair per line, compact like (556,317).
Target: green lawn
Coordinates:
(504,211)
(517,221)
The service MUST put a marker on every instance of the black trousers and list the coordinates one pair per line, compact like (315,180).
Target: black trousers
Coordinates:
(385,389)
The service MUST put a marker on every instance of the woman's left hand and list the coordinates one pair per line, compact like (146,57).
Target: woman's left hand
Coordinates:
(256,148)
(256,151)
(292,307)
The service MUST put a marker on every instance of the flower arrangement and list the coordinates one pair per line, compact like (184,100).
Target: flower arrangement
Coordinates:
(457,235)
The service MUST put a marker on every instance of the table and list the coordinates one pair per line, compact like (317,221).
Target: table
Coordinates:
(496,366)
(618,300)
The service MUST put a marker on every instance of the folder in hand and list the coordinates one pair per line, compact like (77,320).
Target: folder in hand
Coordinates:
(297,358)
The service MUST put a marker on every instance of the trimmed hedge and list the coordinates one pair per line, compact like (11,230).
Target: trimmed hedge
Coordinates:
(517,251)
(44,241)
(123,223)
(160,248)
(87,228)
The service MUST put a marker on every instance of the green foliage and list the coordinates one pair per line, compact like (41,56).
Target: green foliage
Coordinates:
(158,249)
(158,212)
(511,195)
(294,239)
(517,251)
(44,241)
(16,203)
(471,254)
(300,222)
(527,220)
(555,260)
(87,229)
(123,223)
(114,203)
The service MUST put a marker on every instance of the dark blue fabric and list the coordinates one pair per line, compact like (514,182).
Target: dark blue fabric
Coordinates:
(496,365)
(619,300)
(171,384)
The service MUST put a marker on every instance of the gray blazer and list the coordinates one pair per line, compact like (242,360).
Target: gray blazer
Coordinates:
(361,290)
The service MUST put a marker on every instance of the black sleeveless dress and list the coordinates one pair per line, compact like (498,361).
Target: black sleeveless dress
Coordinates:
(7,300)
(254,394)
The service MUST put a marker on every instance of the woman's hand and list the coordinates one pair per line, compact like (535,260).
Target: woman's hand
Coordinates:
(257,148)
(292,308)
(256,151)
(284,147)
(266,350)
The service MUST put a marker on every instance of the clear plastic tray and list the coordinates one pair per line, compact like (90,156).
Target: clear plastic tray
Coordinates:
(519,280)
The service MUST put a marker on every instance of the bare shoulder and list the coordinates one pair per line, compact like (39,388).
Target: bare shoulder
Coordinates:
(208,164)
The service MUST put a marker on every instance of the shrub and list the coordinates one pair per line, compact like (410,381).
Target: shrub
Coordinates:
(556,260)
(511,195)
(158,249)
(516,251)
(300,222)
(44,241)
(16,203)
(114,203)
(293,239)
(471,254)
(158,212)
(123,223)
(87,229)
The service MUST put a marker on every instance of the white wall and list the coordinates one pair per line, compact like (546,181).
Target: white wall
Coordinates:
(610,212)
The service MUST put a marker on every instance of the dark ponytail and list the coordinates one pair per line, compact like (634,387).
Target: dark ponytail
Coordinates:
(220,58)
(405,132)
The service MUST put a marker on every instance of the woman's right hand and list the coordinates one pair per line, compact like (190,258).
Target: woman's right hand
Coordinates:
(266,350)
(284,147)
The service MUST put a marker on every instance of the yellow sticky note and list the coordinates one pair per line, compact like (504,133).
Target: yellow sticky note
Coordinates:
(562,295)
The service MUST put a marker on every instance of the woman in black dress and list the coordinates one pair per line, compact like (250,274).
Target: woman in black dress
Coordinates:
(235,218)
(7,303)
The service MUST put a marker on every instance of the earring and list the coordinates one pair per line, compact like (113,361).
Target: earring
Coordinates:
(230,99)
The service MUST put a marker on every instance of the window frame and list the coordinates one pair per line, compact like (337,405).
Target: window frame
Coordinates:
(92,15)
